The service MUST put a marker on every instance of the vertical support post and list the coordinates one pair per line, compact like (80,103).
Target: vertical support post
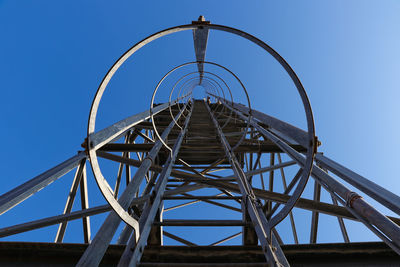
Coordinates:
(315,214)
(249,236)
(127,170)
(85,205)
(341,223)
(340,219)
(294,232)
(127,231)
(119,176)
(262,181)
(128,155)
(255,166)
(155,235)
(70,200)
(129,138)
(271,179)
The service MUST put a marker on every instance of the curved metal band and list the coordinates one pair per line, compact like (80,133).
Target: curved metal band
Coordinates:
(191,63)
(205,78)
(102,183)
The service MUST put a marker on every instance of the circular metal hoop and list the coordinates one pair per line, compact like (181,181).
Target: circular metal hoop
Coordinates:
(191,63)
(101,181)
(211,81)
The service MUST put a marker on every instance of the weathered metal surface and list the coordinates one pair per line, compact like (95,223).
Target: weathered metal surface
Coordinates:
(114,131)
(338,254)
(305,163)
(240,130)
(200,37)
(315,214)
(211,223)
(97,248)
(353,202)
(382,195)
(24,227)
(24,191)
(194,148)
(295,133)
(361,209)
(134,248)
(268,241)
(273,196)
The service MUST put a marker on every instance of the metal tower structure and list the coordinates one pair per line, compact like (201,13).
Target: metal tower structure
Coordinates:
(215,151)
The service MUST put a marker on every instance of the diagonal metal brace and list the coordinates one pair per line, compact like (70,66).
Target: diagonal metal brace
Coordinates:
(269,243)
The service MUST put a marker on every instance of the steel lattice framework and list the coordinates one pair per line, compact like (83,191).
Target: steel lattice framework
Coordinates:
(177,147)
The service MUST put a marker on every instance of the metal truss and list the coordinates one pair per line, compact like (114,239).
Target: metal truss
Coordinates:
(211,151)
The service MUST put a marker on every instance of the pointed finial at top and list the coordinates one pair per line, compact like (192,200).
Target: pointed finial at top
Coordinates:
(201,20)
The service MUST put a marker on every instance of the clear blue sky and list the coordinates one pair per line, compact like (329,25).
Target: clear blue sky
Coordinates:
(53,55)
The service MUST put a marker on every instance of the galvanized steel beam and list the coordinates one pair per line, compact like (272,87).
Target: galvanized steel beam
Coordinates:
(97,248)
(296,134)
(315,214)
(201,223)
(381,225)
(292,223)
(84,206)
(70,200)
(98,139)
(269,243)
(24,191)
(200,37)
(134,248)
(380,194)
(179,239)
(24,227)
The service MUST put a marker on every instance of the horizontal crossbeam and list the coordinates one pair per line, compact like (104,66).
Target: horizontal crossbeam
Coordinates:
(201,223)
(261,148)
